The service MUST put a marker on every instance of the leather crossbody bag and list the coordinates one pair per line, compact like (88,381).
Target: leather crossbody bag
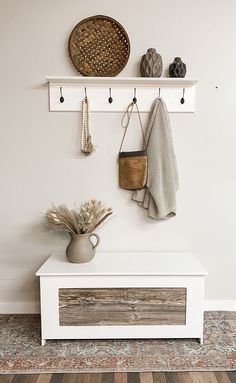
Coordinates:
(132,165)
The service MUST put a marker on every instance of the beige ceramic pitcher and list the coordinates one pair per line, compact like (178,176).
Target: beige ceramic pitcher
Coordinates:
(81,249)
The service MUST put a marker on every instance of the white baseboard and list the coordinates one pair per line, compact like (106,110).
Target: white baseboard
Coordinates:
(227,305)
(19,307)
(34,307)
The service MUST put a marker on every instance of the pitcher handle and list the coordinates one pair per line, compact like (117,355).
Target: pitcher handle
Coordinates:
(98,239)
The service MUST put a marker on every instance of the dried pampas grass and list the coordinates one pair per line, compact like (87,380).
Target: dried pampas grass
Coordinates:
(86,219)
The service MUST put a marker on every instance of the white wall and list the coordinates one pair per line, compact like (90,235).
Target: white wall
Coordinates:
(40,160)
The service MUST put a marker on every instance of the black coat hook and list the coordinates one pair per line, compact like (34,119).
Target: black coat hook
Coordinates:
(159,94)
(182,101)
(110,99)
(85,94)
(61,98)
(134,99)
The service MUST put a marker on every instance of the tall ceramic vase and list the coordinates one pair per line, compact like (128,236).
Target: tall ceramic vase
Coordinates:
(81,249)
(151,64)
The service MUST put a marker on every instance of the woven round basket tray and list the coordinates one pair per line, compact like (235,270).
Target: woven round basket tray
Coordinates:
(99,46)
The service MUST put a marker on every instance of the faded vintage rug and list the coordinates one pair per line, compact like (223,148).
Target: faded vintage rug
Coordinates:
(21,352)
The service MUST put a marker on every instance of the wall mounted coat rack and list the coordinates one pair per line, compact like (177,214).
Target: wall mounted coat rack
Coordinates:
(113,94)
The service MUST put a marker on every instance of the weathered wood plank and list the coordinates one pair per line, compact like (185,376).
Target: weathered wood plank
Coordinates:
(83,378)
(203,377)
(44,378)
(159,377)
(29,378)
(222,377)
(89,378)
(69,378)
(179,377)
(122,306)
(232,376)
(108,377)
(133,377)
(6,378)
(146,377)
(56,378)
(120,377)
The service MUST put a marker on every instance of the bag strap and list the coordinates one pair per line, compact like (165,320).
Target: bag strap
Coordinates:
(128,114)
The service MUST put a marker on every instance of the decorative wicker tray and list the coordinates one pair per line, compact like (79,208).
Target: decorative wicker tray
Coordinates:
(99,46)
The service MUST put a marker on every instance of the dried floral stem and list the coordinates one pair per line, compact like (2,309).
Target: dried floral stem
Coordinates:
(88,217)
(103,219)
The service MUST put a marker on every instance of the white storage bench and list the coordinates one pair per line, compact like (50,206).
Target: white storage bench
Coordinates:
(122,295)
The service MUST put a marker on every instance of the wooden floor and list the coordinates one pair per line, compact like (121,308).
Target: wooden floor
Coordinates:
(132,377)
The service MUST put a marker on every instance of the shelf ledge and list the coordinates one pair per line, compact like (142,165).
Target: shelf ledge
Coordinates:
(118,81)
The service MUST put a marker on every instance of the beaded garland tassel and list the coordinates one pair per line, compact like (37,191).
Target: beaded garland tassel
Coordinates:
(86,139)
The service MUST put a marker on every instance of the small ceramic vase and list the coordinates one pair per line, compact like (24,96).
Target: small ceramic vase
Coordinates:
(151,64)
(177,68)
(81,249)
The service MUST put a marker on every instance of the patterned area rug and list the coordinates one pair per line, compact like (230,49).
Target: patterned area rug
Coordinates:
(21,352)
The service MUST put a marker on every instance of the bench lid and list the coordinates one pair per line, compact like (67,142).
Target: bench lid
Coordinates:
(125,263)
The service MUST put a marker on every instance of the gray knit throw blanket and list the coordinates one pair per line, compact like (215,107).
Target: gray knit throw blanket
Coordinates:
(159,196)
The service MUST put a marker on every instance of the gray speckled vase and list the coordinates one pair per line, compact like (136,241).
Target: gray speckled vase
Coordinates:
(151,64)
(81,249)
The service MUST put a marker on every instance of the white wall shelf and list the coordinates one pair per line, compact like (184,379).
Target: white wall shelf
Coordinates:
(128,81)
(122,88)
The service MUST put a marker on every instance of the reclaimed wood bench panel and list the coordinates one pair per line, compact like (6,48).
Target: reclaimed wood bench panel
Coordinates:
(122,306)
